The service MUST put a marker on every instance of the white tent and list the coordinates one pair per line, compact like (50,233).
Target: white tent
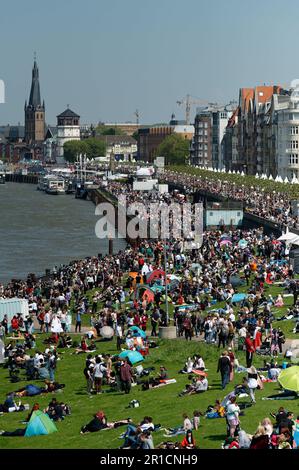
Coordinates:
(286,180)
(288,236)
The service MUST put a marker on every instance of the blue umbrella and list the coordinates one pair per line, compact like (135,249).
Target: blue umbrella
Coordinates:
(137,331)
(132,356)
(238,297)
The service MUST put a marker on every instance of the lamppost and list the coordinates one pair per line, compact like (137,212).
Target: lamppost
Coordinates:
(166,287)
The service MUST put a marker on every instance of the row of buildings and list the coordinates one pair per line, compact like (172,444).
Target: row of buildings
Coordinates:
(258,135)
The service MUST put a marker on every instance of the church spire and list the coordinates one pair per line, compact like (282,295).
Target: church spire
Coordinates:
(34,99)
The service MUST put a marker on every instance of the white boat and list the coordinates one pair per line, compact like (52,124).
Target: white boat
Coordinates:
(52,184)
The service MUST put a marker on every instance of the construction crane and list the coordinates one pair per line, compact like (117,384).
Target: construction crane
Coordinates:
(188,101)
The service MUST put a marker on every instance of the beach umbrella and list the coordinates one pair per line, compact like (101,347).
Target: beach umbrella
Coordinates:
(289,378)
(107,332)
(238,297)
(132,356)
(225,242)
(137,331)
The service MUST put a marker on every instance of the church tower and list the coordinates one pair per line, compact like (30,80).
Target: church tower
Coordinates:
(34,111)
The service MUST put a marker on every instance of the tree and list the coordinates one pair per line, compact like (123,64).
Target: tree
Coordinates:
(95,148)
(174,148)
(72,149)
(104,130)
(92,147)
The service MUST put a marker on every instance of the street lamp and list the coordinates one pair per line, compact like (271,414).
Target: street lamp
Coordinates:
(166,287)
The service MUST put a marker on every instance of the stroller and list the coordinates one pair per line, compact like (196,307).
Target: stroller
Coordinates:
(265,349)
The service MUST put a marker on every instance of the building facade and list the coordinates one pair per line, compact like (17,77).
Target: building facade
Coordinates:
(123,147)
(150,138)
(208,145)
(68,128)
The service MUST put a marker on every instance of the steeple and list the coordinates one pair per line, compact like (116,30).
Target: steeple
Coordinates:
(34,99)
(34,110)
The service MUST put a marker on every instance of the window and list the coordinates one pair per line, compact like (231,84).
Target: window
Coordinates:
(293,159)
(206,125)
(290,117)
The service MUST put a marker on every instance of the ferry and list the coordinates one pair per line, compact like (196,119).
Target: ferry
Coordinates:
(52,184)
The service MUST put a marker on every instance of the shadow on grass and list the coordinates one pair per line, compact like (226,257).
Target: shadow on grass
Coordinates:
(215,437)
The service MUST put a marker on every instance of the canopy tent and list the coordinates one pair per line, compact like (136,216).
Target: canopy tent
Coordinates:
(289,378)
(288,236)
(39,424)
(132,356)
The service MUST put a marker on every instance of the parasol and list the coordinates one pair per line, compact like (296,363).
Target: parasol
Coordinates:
(289,378)
(107,332)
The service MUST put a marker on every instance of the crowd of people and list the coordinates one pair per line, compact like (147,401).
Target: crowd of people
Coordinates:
(201,278)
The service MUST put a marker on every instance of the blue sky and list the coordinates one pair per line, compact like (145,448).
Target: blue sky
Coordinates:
(107,58)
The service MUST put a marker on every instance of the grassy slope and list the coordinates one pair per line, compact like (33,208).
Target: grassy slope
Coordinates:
(162,404)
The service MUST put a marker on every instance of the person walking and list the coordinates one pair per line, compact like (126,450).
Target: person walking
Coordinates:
(78,321)
(249,345)
(155,322)
(222,335)
(187,328)
(52,363)
(126,376)
(98,373)
(224,367)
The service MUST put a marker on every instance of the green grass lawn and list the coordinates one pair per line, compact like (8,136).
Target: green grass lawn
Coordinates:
(162,404)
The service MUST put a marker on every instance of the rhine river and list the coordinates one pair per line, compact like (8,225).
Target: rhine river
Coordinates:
(40,231)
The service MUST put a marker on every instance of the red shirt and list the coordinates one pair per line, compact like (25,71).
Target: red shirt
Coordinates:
(249,345)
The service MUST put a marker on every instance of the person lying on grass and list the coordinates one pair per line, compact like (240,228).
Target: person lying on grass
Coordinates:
(32,390)
(100,422)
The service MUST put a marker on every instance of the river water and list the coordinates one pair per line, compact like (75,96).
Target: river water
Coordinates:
(40,231)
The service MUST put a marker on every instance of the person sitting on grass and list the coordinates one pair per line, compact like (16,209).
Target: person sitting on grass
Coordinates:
(188,442)
(133,433)
(10,405)
(198,385)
